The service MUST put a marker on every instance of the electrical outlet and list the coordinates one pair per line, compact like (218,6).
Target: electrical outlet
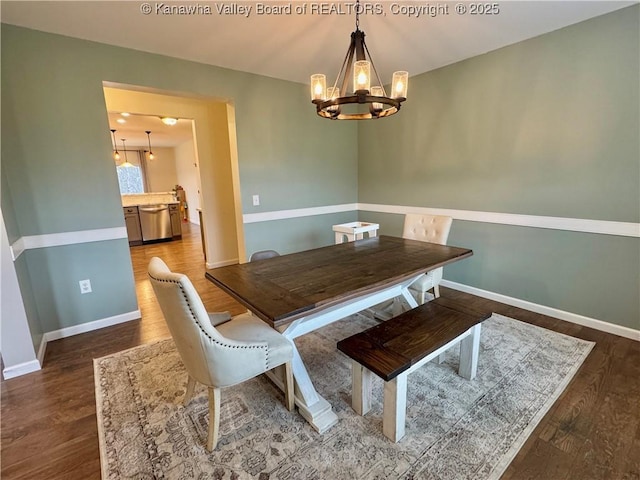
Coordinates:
(85,286)
(256,200)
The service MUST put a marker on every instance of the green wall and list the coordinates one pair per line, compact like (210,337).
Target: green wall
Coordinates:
(549,127)
(56,161)
(295,234)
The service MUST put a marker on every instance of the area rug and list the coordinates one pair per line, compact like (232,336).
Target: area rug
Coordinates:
(456,429)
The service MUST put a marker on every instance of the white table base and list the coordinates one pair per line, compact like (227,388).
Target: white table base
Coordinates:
(312,406)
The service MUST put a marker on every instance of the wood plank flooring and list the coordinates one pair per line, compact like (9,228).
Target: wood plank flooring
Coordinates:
(48,421)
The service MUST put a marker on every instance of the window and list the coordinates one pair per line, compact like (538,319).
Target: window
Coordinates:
(132,178)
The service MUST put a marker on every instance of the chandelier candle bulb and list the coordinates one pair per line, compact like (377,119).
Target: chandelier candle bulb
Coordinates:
(332,94)
(377,92)
(399,85)
(361,75)
(318,87)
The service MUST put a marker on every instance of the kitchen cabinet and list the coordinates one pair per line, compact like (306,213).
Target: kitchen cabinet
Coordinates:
(176,221)
(132,221)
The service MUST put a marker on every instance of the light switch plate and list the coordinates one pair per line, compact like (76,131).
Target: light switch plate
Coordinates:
(256,200)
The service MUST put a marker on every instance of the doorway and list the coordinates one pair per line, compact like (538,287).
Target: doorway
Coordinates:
(217,197)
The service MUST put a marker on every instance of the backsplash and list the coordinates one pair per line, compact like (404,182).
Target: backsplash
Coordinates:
(132,199)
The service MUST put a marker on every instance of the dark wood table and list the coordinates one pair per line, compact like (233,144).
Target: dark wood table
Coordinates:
(304,291)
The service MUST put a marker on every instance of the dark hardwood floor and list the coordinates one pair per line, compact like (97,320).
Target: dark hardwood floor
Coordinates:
(48,421)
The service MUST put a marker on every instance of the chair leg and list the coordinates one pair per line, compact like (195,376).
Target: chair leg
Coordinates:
(421,297)
(288,387)
(191,385)
(214,418)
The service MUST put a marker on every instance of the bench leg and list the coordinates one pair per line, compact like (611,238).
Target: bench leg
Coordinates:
(360,388)
(439,359)
(469,350)
(394,408)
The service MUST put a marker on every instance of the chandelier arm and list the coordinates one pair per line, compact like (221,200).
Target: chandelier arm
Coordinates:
(346,59)
(349,63)
(384,92)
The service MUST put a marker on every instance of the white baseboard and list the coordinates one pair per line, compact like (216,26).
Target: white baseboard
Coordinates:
(83,328)
(549,311)
(223,263)
(21,369)
(42,350)
(90,326)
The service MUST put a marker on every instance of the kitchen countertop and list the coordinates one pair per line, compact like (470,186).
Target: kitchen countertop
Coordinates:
(154,198)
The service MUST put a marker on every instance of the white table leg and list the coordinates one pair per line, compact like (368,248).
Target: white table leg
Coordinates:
(311,405)
(315,409)
(469,351)
(395,408)
(406,294)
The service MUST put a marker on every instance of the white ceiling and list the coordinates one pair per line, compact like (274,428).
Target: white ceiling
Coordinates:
(135,126)
(293,46)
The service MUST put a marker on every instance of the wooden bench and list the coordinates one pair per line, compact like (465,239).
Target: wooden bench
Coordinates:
(401,345)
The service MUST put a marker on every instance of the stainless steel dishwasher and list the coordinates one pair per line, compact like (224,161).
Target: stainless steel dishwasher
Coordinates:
(155,222)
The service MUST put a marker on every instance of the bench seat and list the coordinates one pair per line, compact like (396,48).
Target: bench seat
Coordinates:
(399,346)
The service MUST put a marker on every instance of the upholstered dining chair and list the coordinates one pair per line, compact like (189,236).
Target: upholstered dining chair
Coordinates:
(427,228)
(217,350)
(263,255)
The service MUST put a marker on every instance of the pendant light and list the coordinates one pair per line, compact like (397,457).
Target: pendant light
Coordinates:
(357,66)
(151,155)
(126,162)
(116,155)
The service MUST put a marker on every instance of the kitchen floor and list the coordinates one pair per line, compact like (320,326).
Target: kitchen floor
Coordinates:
(183,256)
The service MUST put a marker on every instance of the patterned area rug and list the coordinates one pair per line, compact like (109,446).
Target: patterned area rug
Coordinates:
(456,429)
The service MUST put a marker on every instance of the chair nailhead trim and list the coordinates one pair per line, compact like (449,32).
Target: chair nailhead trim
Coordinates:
(202,329)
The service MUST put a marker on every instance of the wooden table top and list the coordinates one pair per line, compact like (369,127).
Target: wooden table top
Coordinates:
(282,289)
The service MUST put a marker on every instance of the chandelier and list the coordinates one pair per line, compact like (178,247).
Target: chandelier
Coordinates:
(363,101)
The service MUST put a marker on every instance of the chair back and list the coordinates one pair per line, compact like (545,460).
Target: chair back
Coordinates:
(427,228)
(263,255)
(209,357)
